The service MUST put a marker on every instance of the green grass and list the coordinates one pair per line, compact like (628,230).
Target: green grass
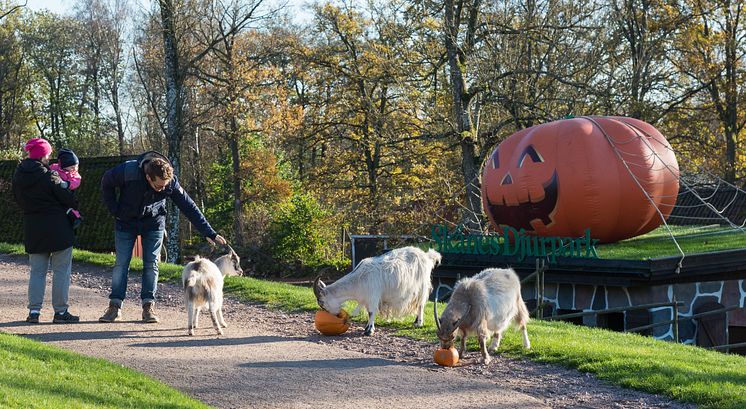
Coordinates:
(658,243)
(685,373)
(35,375)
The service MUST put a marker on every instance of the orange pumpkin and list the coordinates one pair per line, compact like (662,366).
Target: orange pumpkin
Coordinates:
(560,178)
(329,324)
(446,357)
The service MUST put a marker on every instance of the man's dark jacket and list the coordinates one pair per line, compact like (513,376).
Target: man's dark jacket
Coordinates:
(44,200)
(137,207)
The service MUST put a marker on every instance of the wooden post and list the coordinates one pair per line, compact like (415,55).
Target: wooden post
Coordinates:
(137,248)
(538,291)
(675,320)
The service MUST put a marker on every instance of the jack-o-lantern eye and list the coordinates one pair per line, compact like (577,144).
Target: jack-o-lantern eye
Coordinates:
(496,159)
(531,153)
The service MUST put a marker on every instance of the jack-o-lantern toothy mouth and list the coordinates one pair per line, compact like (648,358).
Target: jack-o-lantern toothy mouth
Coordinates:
(520,216)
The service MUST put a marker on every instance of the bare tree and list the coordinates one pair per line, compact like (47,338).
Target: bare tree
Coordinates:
(464,15)
(712,48)
(182,53)
(12,9)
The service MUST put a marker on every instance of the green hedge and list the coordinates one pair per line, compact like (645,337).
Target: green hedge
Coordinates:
(97,231)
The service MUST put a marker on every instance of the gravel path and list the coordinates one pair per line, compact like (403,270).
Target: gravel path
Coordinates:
(268,359)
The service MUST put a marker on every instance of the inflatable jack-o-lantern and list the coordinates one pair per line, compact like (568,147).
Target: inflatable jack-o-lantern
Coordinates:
(610,174)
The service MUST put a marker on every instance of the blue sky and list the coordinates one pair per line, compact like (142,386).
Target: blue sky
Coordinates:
(66,6)
(57,6)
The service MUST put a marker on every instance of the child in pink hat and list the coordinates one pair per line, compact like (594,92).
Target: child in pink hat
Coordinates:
(67,168)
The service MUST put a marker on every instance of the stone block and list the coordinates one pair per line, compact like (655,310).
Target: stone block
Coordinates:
(687,330)
(685,293)
(731,293)
(617,297)
(583,297)
(661,315)
(599,298)
(550,291)
(565,297)
(710,287)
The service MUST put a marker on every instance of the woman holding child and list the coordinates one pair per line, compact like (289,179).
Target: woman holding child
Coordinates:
(45,198)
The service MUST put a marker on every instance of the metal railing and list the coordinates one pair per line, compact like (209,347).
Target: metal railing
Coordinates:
(538,275)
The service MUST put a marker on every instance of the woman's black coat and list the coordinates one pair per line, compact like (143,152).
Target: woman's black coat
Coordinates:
(44,200)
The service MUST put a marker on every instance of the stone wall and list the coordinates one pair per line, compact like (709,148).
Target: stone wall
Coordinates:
(692,295)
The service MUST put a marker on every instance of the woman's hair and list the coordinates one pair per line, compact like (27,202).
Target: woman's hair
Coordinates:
(158,168)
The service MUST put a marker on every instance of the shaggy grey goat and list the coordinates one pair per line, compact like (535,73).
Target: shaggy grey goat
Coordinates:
(483,305)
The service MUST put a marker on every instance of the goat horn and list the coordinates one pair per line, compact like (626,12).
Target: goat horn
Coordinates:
(435,308)
(317,286)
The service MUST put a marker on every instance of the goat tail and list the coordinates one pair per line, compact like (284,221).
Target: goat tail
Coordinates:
(522,316)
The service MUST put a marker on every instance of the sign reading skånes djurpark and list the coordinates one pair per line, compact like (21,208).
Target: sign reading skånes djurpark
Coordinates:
(515,243)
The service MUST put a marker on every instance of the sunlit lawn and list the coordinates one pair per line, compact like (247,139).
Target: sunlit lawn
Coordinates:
(35,375)
(658,243)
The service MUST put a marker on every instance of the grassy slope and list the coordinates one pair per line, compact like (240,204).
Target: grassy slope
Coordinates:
(687,373)
(658,243)
(35,375)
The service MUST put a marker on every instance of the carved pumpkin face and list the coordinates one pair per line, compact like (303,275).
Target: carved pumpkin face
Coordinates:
(559,178)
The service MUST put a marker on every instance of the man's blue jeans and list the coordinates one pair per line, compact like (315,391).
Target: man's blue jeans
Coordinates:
(124,242)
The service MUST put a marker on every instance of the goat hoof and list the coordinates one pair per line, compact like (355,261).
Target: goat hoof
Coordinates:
(191,332)
(486,360)
(369,331)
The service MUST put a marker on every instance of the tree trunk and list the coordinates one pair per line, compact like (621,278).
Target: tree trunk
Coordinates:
(236,166)
(457,63)
(174,102)
(118,116)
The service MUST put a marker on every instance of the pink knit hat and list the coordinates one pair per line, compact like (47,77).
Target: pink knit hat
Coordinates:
(38,148)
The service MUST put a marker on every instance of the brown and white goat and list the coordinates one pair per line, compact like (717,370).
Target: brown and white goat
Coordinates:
(395,284)
(483,305)
(203,287)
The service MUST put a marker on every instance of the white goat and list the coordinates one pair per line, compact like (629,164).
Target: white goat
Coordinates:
(229,264)
(203,286)
(394,284)
(483,305)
